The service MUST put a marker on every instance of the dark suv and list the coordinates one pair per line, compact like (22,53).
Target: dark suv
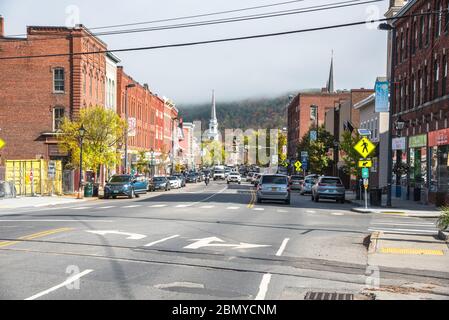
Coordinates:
(125,185)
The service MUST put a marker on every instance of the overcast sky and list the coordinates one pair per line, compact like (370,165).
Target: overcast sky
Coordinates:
(243,69)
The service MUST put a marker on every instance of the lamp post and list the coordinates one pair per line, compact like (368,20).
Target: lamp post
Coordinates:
(389,27)
(173,145)
(81,133)
(152,161)
(336,145)
(131,85)
(315,108)
(399,125)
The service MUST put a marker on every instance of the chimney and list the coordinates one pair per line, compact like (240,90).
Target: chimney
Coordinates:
(2,26)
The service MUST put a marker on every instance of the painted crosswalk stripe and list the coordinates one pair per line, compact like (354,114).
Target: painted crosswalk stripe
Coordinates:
(259,209)
(80,208)
(207,207)
(107,207)
(162,240)
(310,211)
(157,206)
(182,206)
(133,206)
(282,211)
(233,208)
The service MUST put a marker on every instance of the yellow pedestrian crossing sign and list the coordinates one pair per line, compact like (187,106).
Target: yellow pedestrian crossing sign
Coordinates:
(298,165)
(368,163)
(364,147)
(2,143)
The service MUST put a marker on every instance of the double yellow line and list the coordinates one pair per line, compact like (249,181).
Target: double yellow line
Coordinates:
(34,236)
(252,200)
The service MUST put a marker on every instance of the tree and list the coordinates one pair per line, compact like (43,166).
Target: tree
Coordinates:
(104,130)
(142,163)
(215,152)
(349,155)
(317,150)
(282,143)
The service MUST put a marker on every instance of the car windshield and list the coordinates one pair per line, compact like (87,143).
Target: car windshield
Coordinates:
(274,180)
(219,171)
(297,177)
(332,181)
(116,179)
(158,179)
(172,178)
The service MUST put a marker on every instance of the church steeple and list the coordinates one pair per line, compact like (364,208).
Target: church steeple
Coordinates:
(213,123)
(213,112)
(330,82)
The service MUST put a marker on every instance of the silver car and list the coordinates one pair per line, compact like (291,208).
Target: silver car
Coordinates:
(273,187)
(328,188)
(309,181)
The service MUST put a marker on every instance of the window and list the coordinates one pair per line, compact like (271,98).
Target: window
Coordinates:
(426,84)
(429,25)
(414,91)
(422,32)
(420,93)
(439,17)
(58,116)
(436,78)
(58,80)
(444,80)
(84,82)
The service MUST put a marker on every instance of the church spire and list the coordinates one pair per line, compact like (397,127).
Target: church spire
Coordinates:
(213,115)
(330,81)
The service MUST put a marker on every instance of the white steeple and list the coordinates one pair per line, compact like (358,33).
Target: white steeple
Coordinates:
(213,123)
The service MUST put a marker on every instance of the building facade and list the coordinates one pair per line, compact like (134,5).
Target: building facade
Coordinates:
(421,95)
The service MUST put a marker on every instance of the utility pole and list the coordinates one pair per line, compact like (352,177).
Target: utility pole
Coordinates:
(131,85)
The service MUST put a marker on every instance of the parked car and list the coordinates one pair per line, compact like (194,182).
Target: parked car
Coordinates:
(182,179)
(296,182)
(191,178)
(219,174)
(249,176)
(174,182)
(234,177)
(309,181)
(273,187)
(161,183)
(125,185)
(328,188)
(151,186)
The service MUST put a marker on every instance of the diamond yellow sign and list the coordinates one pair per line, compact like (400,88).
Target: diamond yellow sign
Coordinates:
(298,165)
(2,143)
(364,147)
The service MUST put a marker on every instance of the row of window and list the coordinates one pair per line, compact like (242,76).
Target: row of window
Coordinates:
(373,126)
(422,86)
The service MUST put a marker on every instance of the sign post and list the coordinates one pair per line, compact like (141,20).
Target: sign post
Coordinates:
(365,147)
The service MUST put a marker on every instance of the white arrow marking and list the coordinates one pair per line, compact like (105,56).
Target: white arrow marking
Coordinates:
(131,236)
(207,242)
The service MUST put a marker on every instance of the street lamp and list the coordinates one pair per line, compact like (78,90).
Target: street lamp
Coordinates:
(152,161)
(81,133)
(314,109)
(389,27)
(173,144)
(131,85)
(336,145)
(399,126)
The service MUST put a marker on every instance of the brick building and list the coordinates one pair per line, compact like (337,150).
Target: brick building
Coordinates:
(37,93)
(421,91)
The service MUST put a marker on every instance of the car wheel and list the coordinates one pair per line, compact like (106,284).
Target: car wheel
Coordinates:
(131,195)
(287,201)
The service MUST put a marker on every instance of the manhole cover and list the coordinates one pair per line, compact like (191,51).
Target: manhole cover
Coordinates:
(328,296)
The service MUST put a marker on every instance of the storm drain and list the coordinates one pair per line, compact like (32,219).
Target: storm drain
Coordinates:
(328,296)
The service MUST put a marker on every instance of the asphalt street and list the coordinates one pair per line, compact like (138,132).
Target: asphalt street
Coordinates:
(198,242)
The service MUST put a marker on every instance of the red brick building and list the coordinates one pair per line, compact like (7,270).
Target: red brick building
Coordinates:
(36,93)
(421,91)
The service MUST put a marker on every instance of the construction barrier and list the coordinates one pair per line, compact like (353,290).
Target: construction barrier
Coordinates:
(32,177)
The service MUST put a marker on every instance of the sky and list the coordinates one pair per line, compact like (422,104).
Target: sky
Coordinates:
(266,67)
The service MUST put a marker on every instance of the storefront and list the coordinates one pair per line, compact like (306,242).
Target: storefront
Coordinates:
(417,173)
(399,146)
(439,166)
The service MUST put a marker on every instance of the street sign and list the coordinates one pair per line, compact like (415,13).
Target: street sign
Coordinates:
(51,169)
(368,163)
(298,165)
(364,132)
(305,160)
(365,173)
(2,143)
(313,135)
(364,147)
(365,183)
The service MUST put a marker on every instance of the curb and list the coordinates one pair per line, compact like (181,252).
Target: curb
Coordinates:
(362,210)
(373,241)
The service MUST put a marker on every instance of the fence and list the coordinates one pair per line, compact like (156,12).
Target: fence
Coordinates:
(32,177)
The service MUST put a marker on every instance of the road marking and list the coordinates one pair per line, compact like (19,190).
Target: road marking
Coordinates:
(337,214)
(263,287)
(107,207)
(162,240)
(233,208)
(310,211)
(205,199)
(34,236)
(207,242)
(157,206)
(282,247)
(412,251)
(192,285)
(133,206)
(252,200)
(207,207)
(182,206)
(392,230)
(65,283)
(131,236)
(282,211)
(259,209)
(79,208)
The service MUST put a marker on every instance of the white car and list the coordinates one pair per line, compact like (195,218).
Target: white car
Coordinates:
(234,177)
(175,183)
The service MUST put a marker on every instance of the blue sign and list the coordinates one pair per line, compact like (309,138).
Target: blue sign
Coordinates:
(305,160)
(382,96)
(313,135)
(365,173)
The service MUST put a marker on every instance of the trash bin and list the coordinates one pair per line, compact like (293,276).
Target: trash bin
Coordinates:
(88,189)
(95,189)
(375,197)
(417,194)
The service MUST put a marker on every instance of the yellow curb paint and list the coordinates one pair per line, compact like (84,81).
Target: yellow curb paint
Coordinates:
(394,213)
(34,236)
(412,251)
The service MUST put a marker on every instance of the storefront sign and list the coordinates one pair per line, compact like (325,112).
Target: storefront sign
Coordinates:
(439,138)
(382,103)
(417,141)
(398,143)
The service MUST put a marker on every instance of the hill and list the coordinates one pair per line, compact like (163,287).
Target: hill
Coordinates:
(258,113)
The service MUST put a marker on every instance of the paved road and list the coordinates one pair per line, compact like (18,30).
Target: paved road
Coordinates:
(198,242)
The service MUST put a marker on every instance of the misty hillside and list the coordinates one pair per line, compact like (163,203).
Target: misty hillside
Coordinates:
(250,113)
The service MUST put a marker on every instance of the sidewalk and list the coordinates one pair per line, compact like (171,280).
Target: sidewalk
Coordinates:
(422,255)
(23,202)
(399,207)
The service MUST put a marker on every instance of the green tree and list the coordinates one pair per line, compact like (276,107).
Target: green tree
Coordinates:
(104,130)
(317,150)
(282,141)
(143,164)
(350,156)
(215,152)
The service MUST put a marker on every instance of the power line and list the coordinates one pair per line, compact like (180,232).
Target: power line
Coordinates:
(187,44)
(337,5)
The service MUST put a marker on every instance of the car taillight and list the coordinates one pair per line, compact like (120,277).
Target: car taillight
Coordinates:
(322,184)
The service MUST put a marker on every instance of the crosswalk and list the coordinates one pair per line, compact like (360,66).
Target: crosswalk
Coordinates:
(403,225)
